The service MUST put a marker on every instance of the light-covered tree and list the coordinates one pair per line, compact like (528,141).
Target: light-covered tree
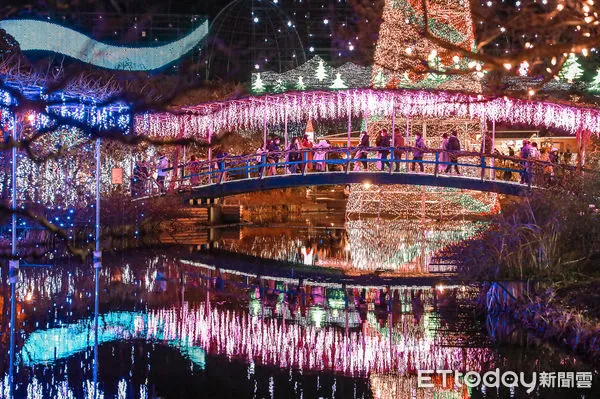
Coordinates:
(321,73)
(300,85)
(258,86)
(338,83)
(571,69)
(595,83)
(379,81)
(279,86)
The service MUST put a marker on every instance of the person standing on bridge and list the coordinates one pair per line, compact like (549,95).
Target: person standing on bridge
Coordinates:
(320,155)
(294,154)
(273,157)
(260,160)
(418,152)
(194,169)
(307,145)
(161,172)
(384,142)
(220,155)
(362,150)
(453,148)
(525,153)
(398,146)
(443,157)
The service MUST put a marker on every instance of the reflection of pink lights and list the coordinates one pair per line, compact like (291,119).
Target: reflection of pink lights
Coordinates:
(237,335)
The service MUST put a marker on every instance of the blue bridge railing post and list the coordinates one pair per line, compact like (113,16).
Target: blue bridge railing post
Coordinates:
(437,164)
(221,171)
(482,167)
(347,161)
(263,166)
(304,162)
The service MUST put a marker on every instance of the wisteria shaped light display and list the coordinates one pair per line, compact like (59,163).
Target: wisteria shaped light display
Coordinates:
(255,112)
(237,335)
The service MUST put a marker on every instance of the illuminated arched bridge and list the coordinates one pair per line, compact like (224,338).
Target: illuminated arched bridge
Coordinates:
(340,166)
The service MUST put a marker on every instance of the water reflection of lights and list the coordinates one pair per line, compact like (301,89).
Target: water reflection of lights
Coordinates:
(238,335)
(46,346)
(395,246)
(405,246)
(389,386)
(338,329)
(47,283)
(419,201)
(38,389)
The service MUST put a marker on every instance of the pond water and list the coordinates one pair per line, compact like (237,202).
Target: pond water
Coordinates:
(177,323)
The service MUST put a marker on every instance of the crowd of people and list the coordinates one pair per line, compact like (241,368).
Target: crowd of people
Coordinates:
(142,176)
(302,155)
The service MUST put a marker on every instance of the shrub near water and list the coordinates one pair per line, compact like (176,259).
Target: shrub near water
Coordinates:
(552,234)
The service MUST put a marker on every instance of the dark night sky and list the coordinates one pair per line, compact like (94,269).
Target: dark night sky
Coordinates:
(322,25)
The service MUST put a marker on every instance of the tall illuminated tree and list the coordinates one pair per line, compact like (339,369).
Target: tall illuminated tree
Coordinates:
(402,46)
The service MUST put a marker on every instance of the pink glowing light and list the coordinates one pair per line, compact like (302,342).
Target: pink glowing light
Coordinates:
(251,112)
(238,335)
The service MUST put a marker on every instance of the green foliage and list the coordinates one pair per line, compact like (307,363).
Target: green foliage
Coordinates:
(553,234)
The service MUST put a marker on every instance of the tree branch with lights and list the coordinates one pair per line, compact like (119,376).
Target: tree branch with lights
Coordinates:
(528,39)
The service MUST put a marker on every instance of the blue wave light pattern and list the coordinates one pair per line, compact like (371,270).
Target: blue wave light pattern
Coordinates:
(34,35)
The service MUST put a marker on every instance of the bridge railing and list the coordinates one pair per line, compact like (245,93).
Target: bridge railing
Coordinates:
(474,165)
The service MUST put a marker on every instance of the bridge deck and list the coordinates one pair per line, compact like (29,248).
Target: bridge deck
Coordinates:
(247,185)
(332,166)
(233,175)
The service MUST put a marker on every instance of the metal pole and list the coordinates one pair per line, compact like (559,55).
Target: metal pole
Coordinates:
(407,137)
(13,263)
(492,171)
(265,125)
(393,120)
(349,111)
(482,135)
(286,127)
(483,127)
(392,155)
(97,266)
(183,168)
(210,154)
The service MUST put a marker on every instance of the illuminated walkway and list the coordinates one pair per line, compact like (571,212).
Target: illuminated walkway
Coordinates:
(251,173)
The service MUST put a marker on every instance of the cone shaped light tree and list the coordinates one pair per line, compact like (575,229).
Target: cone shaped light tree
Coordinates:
(402,47)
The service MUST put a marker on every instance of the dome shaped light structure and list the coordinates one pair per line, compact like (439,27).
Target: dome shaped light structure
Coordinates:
(252,36)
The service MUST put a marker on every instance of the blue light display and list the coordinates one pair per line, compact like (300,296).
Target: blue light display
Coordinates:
(47,346)
(33,35)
